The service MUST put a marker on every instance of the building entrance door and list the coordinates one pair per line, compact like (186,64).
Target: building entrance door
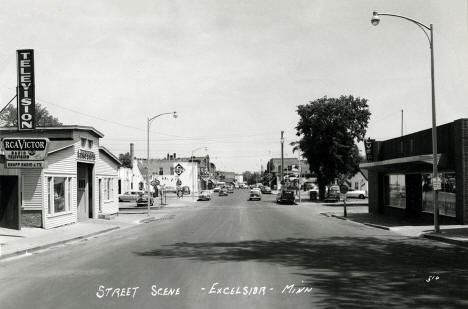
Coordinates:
(84,191)
(9,203)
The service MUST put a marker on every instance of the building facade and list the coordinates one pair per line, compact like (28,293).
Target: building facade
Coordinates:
(400,174)
(77,181)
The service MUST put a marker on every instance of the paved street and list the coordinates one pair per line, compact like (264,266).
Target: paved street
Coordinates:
(231,253)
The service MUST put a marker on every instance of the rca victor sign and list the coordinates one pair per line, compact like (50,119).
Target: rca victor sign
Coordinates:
(28,152)
(25,90)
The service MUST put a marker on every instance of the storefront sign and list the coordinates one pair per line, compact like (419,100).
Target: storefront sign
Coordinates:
(25,90)
(25,149)
(85,155)
(24,164)
(369,147)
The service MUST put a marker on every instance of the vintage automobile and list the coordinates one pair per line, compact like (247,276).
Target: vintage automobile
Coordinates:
(333,194)
(130,196)
(223,192)
(186,190)
(255,194)
(204,195)
(230,190)
(216,189)
(356,194)
(143,200)
(286,197)
(265,190)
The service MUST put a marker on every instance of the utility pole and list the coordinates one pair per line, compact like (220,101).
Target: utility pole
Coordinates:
(282,160)
(401,122)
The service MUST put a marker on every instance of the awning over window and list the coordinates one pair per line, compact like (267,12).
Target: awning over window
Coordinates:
(421,163)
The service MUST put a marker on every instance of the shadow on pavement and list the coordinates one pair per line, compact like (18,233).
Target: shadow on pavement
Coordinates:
(352,272)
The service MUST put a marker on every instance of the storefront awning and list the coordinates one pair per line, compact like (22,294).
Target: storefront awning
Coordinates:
(421,163)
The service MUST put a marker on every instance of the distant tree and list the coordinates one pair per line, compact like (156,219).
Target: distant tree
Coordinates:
(126,160)
(329,129)
(252,178)
(8,118)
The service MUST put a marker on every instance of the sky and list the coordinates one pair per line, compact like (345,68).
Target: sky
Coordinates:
(234,70)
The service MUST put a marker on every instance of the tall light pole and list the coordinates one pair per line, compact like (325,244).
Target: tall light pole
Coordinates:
(193,172)
(428,31)
(282,160)
(174,114)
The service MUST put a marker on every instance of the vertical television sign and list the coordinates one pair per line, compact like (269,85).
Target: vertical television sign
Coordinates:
(25,89)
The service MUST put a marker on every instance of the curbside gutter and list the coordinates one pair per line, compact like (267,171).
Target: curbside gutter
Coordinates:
(453,241)
(60,242)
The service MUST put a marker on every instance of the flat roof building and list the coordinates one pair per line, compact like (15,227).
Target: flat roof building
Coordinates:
(400,174)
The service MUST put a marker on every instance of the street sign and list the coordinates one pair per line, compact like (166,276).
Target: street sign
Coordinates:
(179,182)
(344,189)
(436,184)
(178,169)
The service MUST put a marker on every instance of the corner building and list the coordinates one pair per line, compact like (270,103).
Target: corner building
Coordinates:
(78,181)
(400,176)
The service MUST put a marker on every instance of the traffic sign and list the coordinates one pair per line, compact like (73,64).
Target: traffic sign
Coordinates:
(344,189)
(179,182)
(178,169)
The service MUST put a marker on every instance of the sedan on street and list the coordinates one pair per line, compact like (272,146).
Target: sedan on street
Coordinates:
(255,194)
(285,197)
(143,200)
(356,194)
(223,192)
(130,196)
(204,195)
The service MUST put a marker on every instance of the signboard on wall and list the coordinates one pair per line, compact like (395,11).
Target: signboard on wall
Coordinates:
(84,155)
(369,148)
(28,152)
(25,90)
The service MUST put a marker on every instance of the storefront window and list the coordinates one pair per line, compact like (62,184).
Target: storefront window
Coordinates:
(59,194)
(108,190)
(396,191)
(446,198)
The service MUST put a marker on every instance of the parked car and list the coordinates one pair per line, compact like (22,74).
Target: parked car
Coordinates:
(186,190)
(204,195)
(286,197)
(333,194)
(216,189)
(230,190)
(266,190)
(143,200)
(255,194)
(356,194)
(223,192)
(130,196)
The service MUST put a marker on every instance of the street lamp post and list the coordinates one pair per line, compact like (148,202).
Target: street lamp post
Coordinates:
(193,173)
(174,114)
(428,31)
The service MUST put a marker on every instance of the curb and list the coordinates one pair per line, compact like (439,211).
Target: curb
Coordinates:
(382,227)
(446,240)
(61,242)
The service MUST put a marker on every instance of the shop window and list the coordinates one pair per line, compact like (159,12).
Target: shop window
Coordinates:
(395,193)
(108,191)
(446,198)
(161,171)
(59,194)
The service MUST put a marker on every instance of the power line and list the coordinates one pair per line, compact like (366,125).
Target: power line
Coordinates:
(7,104)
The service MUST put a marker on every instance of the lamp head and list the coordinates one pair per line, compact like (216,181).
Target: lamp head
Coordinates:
(175,115)
(375,18)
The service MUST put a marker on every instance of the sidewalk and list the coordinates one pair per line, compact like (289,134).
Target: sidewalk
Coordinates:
(27,240)
(454,234)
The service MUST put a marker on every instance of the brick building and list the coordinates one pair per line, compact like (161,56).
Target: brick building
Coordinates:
(400,176)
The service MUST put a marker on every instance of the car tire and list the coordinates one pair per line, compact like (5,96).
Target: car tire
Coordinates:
(361,196)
